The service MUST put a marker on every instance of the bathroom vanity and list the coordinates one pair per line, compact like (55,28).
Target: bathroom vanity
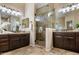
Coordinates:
(13,40)
(66,40)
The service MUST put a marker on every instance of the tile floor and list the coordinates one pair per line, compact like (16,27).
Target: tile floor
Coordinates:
(38,50)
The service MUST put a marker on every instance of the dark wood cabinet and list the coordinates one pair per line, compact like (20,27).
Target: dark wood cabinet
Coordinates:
(4,43)
(77,42)
(69,40)
(65,40)
(24,40)
(13,41)
(17,41)
(58,40)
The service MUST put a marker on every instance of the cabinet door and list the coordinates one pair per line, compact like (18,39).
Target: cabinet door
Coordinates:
(58,41)
(77,41)
(14,42)
(4,43)
(27,39)
(24,41)
(69,43)
(77,44)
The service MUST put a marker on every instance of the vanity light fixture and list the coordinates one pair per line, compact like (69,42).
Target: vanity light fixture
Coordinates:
(68,9)
(10,11)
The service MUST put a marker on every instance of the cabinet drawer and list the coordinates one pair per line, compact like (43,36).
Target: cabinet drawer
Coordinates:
(14,35)
(3,43)
(3,36)
(69,34)
(4,48)
(69,38)
(3,40)
(58,33)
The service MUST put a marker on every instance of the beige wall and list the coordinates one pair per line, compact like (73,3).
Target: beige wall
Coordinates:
(62,21)
(74,16)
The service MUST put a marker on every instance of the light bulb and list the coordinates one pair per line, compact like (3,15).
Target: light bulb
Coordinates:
(16,14)
(60,11)
(13,13)
(73,7)
(4,9)
(19,14)
(77,6)
(9,11)
(37,19)
(64,10)
(67,9)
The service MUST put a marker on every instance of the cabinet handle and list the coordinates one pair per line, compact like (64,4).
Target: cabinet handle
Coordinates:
(58,36)
(69,37)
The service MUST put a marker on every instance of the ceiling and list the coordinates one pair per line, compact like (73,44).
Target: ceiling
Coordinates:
(39,5)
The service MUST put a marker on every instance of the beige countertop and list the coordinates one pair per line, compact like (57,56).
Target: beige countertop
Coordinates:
(14,33)
(66,31)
